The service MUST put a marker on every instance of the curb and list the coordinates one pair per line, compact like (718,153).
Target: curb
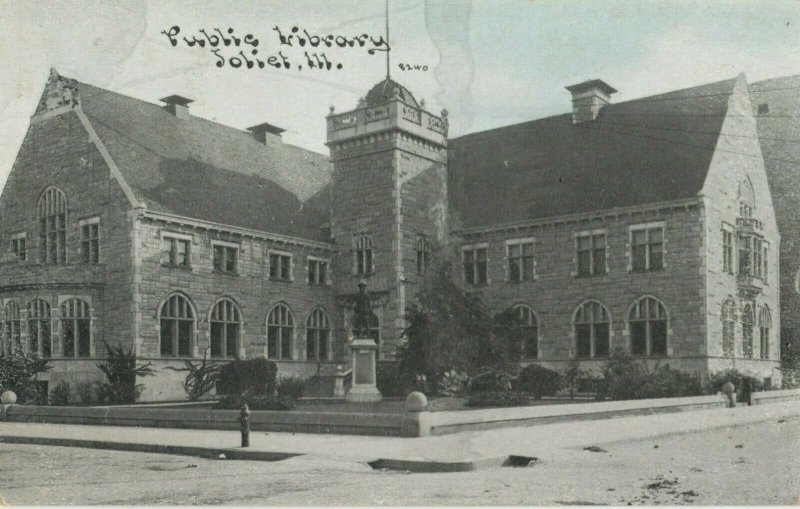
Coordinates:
(416,466)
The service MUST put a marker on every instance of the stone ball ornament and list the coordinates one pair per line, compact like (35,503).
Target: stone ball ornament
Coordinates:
(8,398)
(416,402)
(728,388)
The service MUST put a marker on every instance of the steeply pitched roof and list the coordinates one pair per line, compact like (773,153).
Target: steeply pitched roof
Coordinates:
(648,150)
(201,169)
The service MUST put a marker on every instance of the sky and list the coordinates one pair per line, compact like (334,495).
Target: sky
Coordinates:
(489,63)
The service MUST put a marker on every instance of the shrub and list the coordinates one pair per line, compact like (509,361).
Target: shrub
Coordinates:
(291,387)
(629,378)
(201,378)
(86,393)
(744,383)
(18,372)
(572,376)
(498,398)
(392,381)
(538,381)
(255,402)
(254,376)
(489,379)
(121,370)
(790,367)
(60,395)
(453,383)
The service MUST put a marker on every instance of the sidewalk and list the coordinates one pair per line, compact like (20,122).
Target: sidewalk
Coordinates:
(457,452)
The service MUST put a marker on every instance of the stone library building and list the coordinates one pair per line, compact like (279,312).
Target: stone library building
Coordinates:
(650,225)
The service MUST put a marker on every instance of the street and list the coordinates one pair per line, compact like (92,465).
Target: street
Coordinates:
(754,464)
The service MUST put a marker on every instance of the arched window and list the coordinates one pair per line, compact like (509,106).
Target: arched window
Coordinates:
(592,330)
(280,332)
(52,227)
(11,327)
(76,325)
(747,198)
(764,325)
(728,317)
(423,254)
(318,336)
(363,256)
(748,321)
(529,340)
(647,324)
(177,327)
(39,338)
(225,326)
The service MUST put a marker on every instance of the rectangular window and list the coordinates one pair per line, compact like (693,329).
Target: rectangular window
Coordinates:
(90,240)
(317,271)
(591,253)
(727,251)
(765,259)
(225,257)
(475,263)
(176,251)
(647,247)
(423,254)
(745,255)
(280,266)
(758,266)
(520,260)
(18,247)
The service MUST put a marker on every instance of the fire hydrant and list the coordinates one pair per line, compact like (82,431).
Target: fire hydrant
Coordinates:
(244,420)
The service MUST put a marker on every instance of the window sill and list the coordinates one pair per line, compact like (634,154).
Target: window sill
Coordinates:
(646,271)
(589,276)
(280,280)
(225,272)
(187,268)
(522,281)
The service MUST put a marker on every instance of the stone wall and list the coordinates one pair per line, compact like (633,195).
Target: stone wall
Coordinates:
(58,152)
(557,290)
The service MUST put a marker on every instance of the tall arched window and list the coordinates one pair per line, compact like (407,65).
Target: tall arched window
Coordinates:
(39,331)
(318,336)
(423,254)
(280,332)
(52,213)
(177,327)
(748,321)
(76,324)
(363,256)
(592,330)
(647,324)
(11,327)
(764,325)
(747,198)
(529,340)
(728,317)
(225,326)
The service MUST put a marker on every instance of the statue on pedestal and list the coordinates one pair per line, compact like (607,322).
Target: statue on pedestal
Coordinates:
(362,314)
(364,351)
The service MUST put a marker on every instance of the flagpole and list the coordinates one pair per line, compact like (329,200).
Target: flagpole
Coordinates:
(388,72)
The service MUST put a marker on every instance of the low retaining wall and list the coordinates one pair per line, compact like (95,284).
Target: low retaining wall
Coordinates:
(760,398)
(442,423)
(292,421)
(382,424)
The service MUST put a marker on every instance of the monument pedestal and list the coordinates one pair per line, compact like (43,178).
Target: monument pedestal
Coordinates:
(364,389)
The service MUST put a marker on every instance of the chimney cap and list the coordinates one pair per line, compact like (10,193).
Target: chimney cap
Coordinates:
(176,99)
(591,84)
(266,127)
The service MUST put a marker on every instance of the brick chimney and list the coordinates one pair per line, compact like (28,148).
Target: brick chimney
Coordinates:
(588,98)
(262,131)
(177,105)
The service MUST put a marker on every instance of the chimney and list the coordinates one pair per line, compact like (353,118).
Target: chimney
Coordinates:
(177,105)
(261,131)
(588,98)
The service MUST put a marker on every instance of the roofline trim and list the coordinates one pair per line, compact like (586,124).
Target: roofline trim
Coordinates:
(113,168)
(246,232)
(582,216)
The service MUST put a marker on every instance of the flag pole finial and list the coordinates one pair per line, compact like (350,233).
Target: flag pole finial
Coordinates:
(388,50)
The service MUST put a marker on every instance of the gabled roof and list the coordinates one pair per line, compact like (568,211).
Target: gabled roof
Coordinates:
(204,170)
(649,150)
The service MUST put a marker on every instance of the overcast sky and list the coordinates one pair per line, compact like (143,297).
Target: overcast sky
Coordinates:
(490,63)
